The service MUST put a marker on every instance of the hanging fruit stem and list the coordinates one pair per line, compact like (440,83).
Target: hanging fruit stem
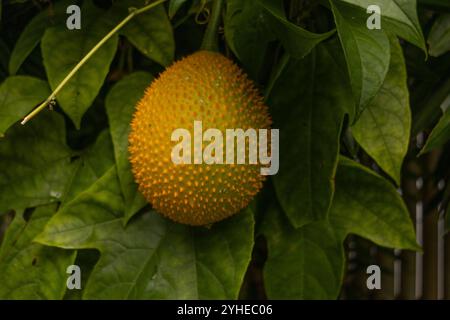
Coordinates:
(210,40)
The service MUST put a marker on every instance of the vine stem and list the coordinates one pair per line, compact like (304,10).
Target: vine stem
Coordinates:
(210,40)
(133,12)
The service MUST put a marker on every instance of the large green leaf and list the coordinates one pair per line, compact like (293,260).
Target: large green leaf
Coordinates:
(29,270)
(308,262)
(247,31)
(399,17)
(91,166)
(18,95)
(297,41)
(369,206)
(151,31)
(35,163)
(439,37)
(151,257)
(62,50)
(384,127)
(308,104)
(33,32)
(440,134)
(120,105)
(303,263)
(367,52)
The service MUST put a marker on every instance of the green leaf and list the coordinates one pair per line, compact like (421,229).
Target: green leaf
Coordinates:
(384,127)
(429,101)
(91,166)
(18,96)
(439,37)
(29,270)
(33,32)
(150,32)
(308,262)
(308,104)
(35,162)
(297,41)
(120,105)
(247,31)
(62,50)
(152,257)
(369,206)
(367,52)
(303,263)
(399,17)
(174,6)
(440,134)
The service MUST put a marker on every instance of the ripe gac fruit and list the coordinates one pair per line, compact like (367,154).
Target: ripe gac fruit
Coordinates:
(207,87)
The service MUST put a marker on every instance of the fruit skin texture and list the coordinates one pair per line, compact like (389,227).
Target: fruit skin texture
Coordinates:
(207,87)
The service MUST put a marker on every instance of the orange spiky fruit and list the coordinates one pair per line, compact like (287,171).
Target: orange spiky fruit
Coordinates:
(207,87)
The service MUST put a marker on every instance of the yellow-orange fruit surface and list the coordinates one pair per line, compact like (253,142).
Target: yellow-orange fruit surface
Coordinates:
(207,87)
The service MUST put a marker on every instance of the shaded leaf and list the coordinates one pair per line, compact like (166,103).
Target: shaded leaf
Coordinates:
(296,40)
(62,50)
(439,37)
(303,263)
(367,52)
(399,17)
(150,32)
(120,105)
(440,134)
(29,270)
(174,6)
(18,96)
(308,104)
(308,262)
(369,206)
(151,258)
(91,166)
(33,32)
(86,259)
(35,162)
(247,31)
(384,127)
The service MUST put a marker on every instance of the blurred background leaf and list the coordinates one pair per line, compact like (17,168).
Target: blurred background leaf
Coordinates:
(33,32)
(439,37)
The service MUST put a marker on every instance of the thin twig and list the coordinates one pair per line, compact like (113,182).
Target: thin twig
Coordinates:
(134,12)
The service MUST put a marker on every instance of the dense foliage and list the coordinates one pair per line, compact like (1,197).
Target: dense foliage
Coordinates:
(349,101)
